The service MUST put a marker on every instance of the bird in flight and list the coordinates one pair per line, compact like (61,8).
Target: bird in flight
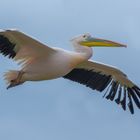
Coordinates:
(40,62)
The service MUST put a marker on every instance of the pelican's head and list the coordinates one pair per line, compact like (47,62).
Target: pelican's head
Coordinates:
(89,41)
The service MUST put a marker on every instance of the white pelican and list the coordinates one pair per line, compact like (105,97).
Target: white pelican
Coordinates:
(40,62)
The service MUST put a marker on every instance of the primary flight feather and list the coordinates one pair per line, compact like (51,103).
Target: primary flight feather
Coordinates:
(40,62)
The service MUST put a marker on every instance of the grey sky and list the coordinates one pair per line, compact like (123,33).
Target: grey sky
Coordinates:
(60,109)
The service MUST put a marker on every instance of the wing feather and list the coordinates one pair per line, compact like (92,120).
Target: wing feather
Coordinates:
(100,77)
(19,46)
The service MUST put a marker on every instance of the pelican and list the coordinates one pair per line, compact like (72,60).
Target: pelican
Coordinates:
(40,62)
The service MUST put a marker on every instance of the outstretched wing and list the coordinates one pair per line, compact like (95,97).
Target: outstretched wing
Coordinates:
(109,79)
(19,46)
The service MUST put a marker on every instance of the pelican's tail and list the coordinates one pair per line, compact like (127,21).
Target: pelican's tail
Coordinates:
(10,75)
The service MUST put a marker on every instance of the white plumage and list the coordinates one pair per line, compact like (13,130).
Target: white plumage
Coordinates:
(40,62)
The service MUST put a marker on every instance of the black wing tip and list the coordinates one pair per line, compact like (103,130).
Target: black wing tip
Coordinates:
(136,88)
(97,81)
(133,96)
(131,108)
(7,47)
(123,104)
(113,90)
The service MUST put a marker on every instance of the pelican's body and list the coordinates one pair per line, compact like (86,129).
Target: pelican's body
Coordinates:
(55,66)
(40,62)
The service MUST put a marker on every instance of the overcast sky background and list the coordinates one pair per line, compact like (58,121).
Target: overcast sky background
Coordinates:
(60,109)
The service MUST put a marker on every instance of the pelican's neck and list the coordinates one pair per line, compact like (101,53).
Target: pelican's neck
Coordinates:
(84,51)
